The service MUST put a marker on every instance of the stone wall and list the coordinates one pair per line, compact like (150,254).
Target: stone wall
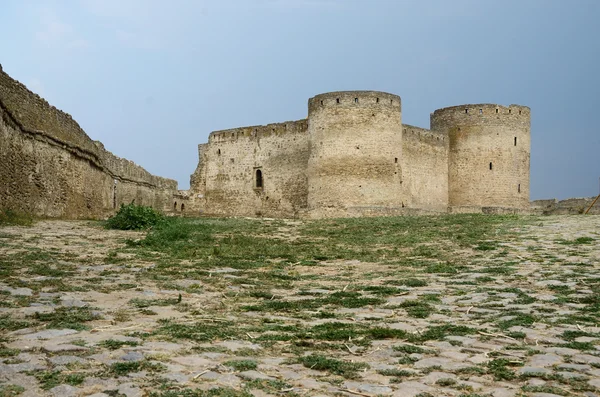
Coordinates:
(226,181)
(570,206)
(355,152)
(50,167)
(489,154)
(425,168)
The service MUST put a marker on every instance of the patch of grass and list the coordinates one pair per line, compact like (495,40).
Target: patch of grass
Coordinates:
(241,365)
(112,344)
(439,332)
(145,303)
(67,317)
(518,319)
(134,217)
(9,323)
(11,390)
(399,373)
(124,368)
(577,241)
(545,389)
(10,217)
(417,308)
(411,349)
(410,282)
(337,367)
(50,379)
(217,392)
(200,331)
(501,369)
(445,382)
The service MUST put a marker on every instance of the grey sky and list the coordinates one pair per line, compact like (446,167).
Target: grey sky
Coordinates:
(151,79)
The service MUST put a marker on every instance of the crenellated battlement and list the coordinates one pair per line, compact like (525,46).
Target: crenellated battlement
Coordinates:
(410,132)
(372,100)
(480,114)
(258,131)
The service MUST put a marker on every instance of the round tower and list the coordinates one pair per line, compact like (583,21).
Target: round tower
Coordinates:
(489,152)
(354,166)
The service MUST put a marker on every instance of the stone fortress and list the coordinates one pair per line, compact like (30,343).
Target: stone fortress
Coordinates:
(353,156)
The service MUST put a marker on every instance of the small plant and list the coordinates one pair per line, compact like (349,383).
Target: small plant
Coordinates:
(9,217)
(134,217)
(113,344)
(241,365)
(338,367)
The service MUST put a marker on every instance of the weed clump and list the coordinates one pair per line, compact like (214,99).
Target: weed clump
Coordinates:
(134,217)
(9,217)
(338,367)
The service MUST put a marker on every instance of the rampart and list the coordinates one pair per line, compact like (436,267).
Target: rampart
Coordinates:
(488,156)
(355,155)
(352,156)
(253,171)
(425,167)
(50,167)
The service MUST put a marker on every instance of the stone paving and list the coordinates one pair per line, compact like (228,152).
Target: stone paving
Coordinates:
(530,324)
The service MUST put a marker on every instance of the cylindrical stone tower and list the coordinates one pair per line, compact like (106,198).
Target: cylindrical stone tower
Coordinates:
(354,166)
(489,154)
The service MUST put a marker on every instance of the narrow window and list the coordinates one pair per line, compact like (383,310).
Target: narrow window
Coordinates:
(182,207)
(509,111)
(337,100)
(321,103)
(355,100)
(391,101)
(490,166)
(376,100)
(175,206)
(396,160)
(519,188)
(519,112)
(218,152)
(466,111)
(496,110)
(259,179)
(515,141)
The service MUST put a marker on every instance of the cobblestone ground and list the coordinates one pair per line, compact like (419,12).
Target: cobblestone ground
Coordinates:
(82,316)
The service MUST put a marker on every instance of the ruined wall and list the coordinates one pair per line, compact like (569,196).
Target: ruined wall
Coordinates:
(489,154)
(355,153)
(225,181)
(425,168)
(570,206)
(50,167)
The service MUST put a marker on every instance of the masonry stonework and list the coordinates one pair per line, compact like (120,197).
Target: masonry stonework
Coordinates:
(50,167)
(352,156)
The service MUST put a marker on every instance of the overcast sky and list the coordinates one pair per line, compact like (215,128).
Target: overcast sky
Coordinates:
(151,79)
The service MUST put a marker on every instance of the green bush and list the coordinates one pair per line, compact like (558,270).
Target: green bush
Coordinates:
(134,217)
(10,217)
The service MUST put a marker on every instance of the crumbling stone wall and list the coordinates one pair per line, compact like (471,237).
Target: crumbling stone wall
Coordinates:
(425,168)
(50,167)
(253,171)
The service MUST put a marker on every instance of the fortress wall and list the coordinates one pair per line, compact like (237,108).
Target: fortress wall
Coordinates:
(230,163)
(489,154)
(355,153)
(425,168)
(50,167)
